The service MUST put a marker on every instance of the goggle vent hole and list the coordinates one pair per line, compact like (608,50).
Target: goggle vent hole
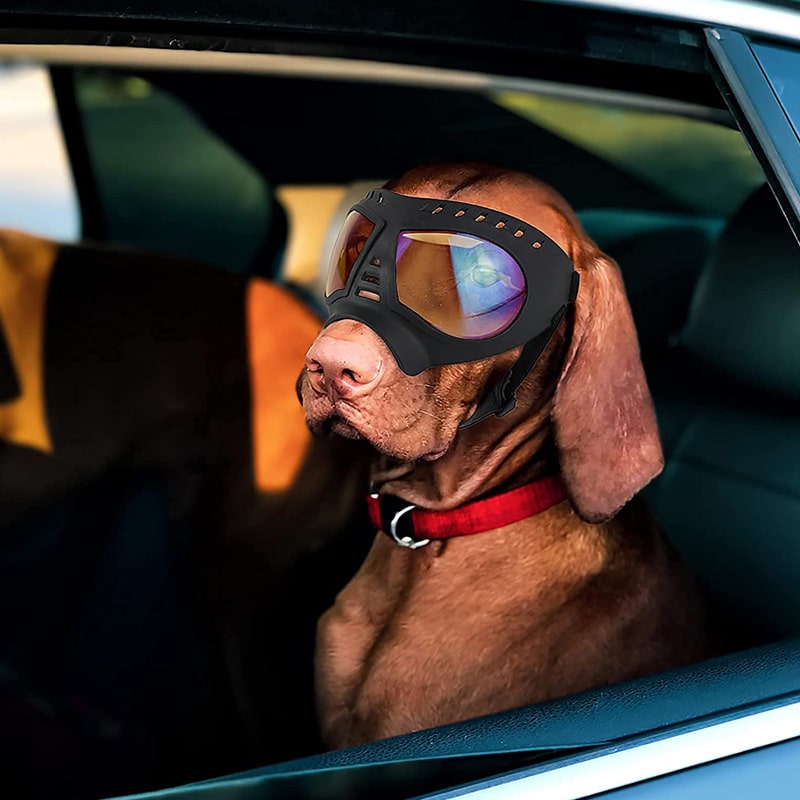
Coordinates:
(501,224)
(369,295)
(461,212)
(537,245)
(519,232)
(480,218)
(437,210)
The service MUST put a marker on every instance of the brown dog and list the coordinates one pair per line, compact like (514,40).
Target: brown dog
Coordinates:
(582,594)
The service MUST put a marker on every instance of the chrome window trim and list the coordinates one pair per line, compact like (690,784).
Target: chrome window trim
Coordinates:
(617,766)
(328,68)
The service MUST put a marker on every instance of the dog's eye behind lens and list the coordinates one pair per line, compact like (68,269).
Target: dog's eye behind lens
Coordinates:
(484,275)
(463,285)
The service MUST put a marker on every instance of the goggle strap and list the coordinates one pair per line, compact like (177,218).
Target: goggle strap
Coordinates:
(502,399)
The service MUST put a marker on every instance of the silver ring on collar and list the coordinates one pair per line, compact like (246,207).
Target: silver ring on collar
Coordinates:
(405,541)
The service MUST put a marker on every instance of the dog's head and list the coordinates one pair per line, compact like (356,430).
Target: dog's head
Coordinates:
(589,382)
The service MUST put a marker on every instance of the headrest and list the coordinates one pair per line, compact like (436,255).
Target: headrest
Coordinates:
(744,318)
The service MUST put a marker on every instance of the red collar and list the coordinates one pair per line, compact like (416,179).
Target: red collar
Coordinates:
(412,527)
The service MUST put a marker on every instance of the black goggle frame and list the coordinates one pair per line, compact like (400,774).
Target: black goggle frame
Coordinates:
(551,286)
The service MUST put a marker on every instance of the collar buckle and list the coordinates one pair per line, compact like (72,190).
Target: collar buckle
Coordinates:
(405,541)
(393,517)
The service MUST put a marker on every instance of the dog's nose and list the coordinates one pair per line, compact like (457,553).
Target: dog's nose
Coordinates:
(341,367)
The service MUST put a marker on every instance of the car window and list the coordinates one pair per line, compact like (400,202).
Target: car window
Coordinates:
(37,193)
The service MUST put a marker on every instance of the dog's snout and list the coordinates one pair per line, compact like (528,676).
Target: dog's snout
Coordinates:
(341,367)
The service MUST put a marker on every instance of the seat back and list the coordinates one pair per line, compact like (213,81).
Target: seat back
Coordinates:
(658,284)
(106,455)
(726,398)
(167,183)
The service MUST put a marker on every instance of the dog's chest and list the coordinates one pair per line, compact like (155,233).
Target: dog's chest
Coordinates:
(415,641)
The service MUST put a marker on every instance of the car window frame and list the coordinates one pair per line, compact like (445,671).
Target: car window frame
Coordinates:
(785,183)
(761,117)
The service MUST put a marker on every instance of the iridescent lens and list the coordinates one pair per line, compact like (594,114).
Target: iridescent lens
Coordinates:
(349,243)
(464,286)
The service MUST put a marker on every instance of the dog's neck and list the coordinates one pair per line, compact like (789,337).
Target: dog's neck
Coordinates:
(496,454)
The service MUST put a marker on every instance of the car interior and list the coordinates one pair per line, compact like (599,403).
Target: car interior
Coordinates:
(105,663)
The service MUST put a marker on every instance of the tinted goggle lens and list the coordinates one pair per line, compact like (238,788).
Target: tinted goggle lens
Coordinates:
(462,285)
(349,244)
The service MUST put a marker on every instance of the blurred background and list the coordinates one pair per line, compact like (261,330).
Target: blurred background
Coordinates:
(36,189)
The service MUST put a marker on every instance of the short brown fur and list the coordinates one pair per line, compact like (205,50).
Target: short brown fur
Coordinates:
(584,594)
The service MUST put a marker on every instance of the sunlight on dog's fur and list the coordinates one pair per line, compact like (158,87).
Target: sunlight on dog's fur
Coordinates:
(584,594)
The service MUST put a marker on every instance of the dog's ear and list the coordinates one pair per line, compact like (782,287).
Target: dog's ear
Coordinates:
(605,424)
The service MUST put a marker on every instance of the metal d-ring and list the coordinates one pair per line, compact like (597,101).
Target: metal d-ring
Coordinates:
(405,541)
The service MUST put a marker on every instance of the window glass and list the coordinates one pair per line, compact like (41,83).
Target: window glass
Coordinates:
(37,193)
(782,67)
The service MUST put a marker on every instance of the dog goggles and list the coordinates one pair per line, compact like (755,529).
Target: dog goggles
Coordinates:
(445,282)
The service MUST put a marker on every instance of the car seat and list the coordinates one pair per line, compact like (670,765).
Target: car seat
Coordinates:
(661,256)
(726,397)
(101,662)
(154,177)
(108,681)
